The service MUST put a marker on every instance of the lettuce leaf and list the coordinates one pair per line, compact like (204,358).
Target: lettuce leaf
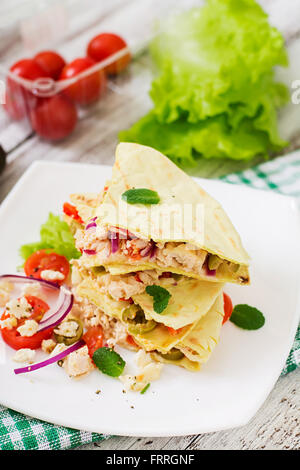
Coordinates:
(215,95)
(55,236)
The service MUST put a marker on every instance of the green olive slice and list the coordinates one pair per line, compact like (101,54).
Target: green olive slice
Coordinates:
(173,355)
(141,328)
(70,340)
(213,262)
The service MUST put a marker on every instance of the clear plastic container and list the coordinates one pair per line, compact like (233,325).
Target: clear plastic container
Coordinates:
(48,107)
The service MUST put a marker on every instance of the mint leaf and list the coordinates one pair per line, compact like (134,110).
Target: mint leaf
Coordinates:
(160,296)
(145,389)
(109,362)
(246,317)
(141,196)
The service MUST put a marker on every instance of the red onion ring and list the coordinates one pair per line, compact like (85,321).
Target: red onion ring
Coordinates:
(54,315)
(90,252)
(154,250)
(91,223)
(51,360)
(114,243)
(146,251)
(21,279)
(63,307)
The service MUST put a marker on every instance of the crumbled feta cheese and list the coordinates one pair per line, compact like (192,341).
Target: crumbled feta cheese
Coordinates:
(148,372)
(24,355)
(19,308)
(78,362)
(34,289)
(51,275)
(5,290)
(6,286)
(60,347)
(9,323)
(48,345)
(29,328)
(4,298)
(67,328)
(142,359)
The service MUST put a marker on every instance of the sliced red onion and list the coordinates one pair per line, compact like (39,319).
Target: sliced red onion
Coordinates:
(91,223)
(114,243)
(154,250)
(131,235)
(124,234)
(210,272)
(146,251)
(17,278)
(51,360)
(56,315)
(90,252)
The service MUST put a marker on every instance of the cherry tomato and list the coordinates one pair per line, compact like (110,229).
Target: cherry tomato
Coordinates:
(72,212)
(93,339)
(18,98)
(88,89)
(41,260)
(227,307)
(51,62)
(15,103)
(54,118)
(28,68)
(104,45)
(13,338)
(174,332)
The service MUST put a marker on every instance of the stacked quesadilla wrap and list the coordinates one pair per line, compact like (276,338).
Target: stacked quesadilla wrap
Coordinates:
(158,268)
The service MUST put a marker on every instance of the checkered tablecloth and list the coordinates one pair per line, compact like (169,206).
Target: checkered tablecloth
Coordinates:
(22,432)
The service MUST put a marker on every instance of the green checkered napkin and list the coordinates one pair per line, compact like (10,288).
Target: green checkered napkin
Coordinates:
(22,432)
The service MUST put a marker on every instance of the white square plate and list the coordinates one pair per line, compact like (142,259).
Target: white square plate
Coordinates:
(231,387)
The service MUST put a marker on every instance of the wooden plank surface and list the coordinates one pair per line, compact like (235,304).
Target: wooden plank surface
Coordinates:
(276,425)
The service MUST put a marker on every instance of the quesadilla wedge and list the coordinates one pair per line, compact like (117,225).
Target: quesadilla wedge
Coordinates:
(187,232)
(188,346)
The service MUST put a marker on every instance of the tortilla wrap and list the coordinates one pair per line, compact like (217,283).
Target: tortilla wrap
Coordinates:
(185,216)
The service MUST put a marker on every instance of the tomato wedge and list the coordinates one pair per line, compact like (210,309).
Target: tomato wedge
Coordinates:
(93,339)
(227,307)
(13,338)
(72,212)
(41,260)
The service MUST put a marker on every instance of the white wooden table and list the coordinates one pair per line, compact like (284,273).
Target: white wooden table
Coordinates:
(277,424)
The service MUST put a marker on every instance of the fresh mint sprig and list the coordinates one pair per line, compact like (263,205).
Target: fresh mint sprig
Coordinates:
(160,296)
(247,317)
(141,196)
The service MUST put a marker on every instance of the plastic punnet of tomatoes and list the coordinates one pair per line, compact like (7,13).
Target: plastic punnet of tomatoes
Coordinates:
(50,91)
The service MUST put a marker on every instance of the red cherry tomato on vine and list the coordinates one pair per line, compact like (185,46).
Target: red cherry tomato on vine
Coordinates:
(88,89)
(227,307)
(103,46)
(51,62)
(54,118)
(13,338)
(41,260)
